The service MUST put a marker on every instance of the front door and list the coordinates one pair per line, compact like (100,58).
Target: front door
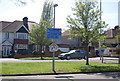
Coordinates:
(6,51)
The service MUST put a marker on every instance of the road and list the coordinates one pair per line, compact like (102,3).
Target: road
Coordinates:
(107,75)
(97,59)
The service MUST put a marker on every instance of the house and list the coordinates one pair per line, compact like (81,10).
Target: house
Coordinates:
(71,43)
(110,40)
(14,36)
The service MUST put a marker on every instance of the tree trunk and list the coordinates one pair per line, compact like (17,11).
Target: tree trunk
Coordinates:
(86,42)
(41,52)
(87,55)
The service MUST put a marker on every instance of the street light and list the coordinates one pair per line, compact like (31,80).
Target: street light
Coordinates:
(55,5)
(53,61)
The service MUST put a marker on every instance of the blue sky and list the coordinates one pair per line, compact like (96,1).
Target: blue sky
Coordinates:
(9,11)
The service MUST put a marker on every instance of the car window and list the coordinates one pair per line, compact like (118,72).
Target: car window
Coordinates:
(77,51)
(82,52)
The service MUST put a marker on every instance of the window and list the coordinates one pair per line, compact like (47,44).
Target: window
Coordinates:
(110,50)
(114,50)
(22,36)
(6,35)
(22,46)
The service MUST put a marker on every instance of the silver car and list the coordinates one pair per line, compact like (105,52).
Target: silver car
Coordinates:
(73,54)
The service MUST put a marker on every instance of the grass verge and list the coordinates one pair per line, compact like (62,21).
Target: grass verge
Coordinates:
(61,67)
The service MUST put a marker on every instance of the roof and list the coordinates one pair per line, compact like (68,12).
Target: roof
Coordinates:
(112,32)
(109,33)
(65,34)
(13,26)
(3,24)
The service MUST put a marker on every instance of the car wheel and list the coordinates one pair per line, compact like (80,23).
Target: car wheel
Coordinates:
(68,57)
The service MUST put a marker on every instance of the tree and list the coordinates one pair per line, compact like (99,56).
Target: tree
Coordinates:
(86,23)
(38,32)
(47,13)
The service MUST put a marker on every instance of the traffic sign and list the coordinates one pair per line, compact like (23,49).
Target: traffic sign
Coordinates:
(53,33)
(53,47)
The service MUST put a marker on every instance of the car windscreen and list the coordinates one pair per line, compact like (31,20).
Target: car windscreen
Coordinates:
(72,51)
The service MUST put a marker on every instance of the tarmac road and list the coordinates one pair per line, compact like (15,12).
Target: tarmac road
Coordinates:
(97,59)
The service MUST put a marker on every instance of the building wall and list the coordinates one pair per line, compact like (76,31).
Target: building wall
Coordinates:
(0,37)
(11,37)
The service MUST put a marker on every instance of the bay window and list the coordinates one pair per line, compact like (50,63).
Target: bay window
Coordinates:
(22,36)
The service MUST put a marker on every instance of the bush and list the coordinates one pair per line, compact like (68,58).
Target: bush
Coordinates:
(35,52)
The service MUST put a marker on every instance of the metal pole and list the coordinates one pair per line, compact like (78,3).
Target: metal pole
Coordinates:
(100,25)
(102,58)
(100,30)
(101,55)
(53,61)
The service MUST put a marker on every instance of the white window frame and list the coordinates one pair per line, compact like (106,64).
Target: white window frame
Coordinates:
(25,36)
(6,35)
(23,46)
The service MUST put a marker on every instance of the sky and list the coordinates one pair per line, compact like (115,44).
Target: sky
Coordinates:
(10,11)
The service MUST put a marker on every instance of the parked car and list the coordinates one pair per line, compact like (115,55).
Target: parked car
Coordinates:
(73,54)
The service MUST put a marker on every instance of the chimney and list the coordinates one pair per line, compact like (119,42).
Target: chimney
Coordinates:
(25,22)
(116,27)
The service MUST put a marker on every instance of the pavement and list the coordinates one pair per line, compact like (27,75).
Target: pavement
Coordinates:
(106,75)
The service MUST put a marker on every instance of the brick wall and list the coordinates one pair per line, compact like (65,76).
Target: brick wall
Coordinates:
(46,54)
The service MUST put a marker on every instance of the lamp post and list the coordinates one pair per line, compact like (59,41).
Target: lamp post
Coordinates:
(55,5)
(53,61)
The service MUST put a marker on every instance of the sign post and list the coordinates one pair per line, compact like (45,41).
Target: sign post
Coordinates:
(53,33)
(53,47)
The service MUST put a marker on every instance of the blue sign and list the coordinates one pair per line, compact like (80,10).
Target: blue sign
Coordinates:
(53,33)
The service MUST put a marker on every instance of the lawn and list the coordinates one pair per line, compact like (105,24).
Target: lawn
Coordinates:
(61,67)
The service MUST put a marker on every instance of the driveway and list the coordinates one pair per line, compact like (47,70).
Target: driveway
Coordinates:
(97,59)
